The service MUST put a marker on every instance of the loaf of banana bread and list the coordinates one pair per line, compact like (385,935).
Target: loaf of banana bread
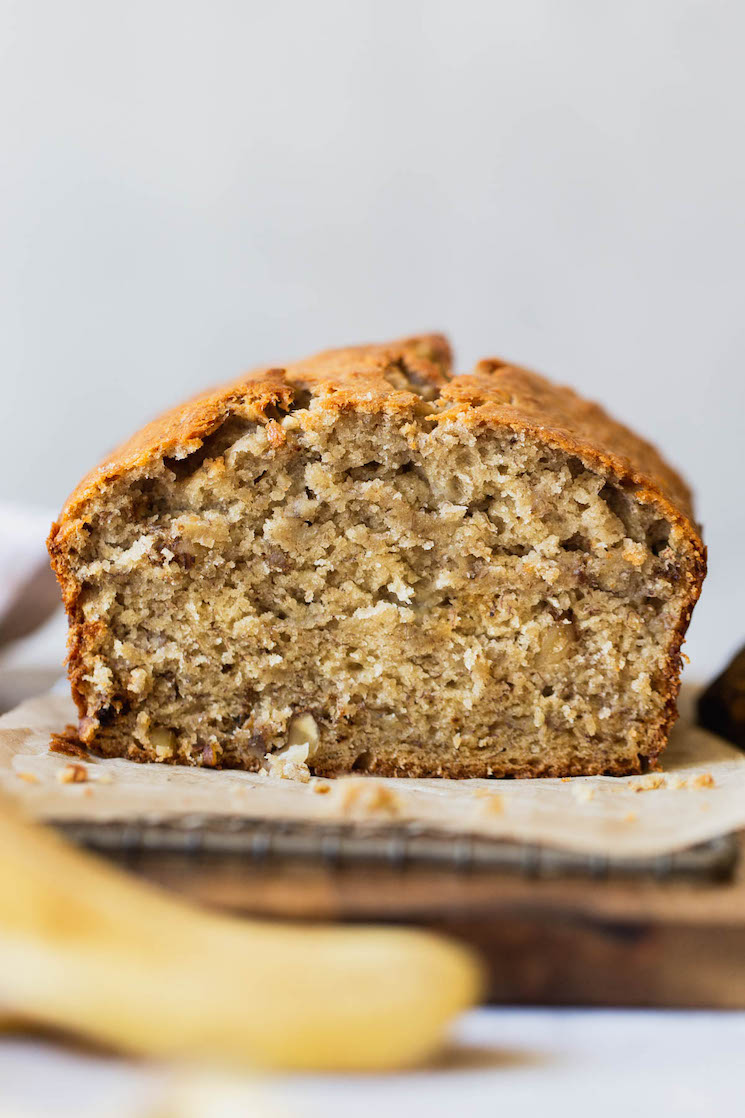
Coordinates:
(395,570)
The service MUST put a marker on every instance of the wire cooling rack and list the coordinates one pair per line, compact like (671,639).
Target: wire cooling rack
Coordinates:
(242,840)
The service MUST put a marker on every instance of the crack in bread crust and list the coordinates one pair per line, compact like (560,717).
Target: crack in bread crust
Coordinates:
(483,575)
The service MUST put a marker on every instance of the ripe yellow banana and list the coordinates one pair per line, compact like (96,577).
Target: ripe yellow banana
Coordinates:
(87,948)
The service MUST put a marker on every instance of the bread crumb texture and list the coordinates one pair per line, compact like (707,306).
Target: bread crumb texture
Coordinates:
(673,782)
(69,744)
(73,774)
(358,563)
(366,798)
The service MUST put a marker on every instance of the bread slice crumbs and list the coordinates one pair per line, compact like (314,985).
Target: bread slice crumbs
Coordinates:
(290,764)
(701,780)
(69,744)
(491,803)
(649,783)
(73,774)
(30,778)
(361,796)
(630,817)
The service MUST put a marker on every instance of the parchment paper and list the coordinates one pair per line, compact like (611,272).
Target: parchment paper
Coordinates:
(699,794)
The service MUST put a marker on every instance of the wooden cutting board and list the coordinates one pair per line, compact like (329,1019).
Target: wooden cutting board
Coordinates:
(555,928)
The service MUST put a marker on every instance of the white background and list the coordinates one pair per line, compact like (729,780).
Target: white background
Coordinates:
(190,188)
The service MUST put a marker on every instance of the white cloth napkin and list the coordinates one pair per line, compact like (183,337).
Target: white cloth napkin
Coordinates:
(22,551)
(32,627)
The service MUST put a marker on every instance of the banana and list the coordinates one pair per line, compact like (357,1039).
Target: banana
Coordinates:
(86,948)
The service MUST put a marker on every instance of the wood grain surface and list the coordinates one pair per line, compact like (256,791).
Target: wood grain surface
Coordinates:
(560,940)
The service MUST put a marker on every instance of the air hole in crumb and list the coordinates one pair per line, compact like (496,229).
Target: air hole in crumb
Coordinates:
(383,594)
(366,472)
(481,505)
(214,446)
(362,762)
(621,506)
(105,715)
(660,544)
(407,379)
(146,501)
(301,399)
(547,692)
(577,542)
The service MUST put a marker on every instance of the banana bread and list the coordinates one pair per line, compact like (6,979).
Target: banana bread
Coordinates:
(377,567)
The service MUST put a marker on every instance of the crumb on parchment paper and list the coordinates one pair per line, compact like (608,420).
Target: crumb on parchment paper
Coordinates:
(649,783)
(73,774)
(30,778)
(290,764)
(674,782)
(703,780)
(302,744)
(362,796)
(490,803)
(69,744)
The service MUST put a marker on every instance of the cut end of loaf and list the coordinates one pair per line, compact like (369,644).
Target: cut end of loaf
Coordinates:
(395,572)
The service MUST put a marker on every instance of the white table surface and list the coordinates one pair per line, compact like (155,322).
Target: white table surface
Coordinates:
(503,1062)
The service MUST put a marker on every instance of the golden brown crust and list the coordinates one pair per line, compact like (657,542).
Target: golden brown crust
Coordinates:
(496,394)
(358,376)
(381,378)
(506,395)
